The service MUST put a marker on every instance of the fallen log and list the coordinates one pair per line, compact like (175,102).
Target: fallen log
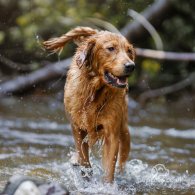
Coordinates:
(23,82)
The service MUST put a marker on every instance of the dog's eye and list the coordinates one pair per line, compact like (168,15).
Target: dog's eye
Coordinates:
(111,48)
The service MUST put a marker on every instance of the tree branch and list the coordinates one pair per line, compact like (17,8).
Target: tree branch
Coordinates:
(149,27)
(155,14)
(162,55)
(166,90)
(21,83)
(15,66)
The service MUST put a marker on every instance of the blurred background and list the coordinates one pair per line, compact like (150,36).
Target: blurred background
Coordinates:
(35,137)
(25,24)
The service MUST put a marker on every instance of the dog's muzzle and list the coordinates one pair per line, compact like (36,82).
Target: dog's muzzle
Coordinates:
(120,81)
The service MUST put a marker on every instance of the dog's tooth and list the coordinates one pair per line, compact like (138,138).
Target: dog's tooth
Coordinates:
(110,75)
(118,81)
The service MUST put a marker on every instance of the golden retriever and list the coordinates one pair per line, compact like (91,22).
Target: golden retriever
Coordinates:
(95,93)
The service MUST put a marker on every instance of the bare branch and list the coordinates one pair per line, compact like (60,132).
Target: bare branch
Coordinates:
(103,24)
(15,66)
(162,55)
(155,14)
(149,27)
(21,83)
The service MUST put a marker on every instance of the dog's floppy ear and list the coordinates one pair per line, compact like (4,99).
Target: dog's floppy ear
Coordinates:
(85,54)
(77,35)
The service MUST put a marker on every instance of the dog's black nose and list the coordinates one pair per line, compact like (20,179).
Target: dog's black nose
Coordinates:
(129,67)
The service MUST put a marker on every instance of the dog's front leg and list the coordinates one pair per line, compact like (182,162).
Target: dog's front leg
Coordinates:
(82,147)
(110,152)
(124,147)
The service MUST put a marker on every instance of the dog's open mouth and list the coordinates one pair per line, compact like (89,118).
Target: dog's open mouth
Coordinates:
(120,82)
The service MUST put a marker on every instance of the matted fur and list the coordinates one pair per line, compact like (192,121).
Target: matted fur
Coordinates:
(97,109)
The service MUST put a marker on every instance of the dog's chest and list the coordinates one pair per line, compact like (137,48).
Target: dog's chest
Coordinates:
(95,117)
(91,115)
(91,109)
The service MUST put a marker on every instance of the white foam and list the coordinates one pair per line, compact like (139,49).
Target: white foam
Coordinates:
(138,177)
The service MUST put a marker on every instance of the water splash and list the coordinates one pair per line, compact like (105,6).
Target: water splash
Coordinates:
(158,177)
(139,178)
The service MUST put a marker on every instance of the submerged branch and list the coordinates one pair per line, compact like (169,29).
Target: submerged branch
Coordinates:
(166,90)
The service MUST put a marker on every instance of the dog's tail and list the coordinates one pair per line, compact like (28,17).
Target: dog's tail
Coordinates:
(76,34)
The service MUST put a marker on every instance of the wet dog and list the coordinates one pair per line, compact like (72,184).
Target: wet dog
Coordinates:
(95,93)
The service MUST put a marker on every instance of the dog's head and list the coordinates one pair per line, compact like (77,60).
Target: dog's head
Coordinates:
(109,56)
(104,54)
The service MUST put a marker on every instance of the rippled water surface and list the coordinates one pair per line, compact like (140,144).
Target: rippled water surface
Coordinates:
(36,140)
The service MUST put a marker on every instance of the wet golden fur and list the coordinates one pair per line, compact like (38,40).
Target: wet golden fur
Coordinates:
(95,108)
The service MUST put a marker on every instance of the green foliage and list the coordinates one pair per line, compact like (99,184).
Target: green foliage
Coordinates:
(133,79)
(48,18)
(2,36)
(151,67)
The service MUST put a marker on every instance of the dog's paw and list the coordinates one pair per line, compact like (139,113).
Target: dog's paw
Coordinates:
(86,173)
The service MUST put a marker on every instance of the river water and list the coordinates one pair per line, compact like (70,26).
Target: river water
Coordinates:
(36,140)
